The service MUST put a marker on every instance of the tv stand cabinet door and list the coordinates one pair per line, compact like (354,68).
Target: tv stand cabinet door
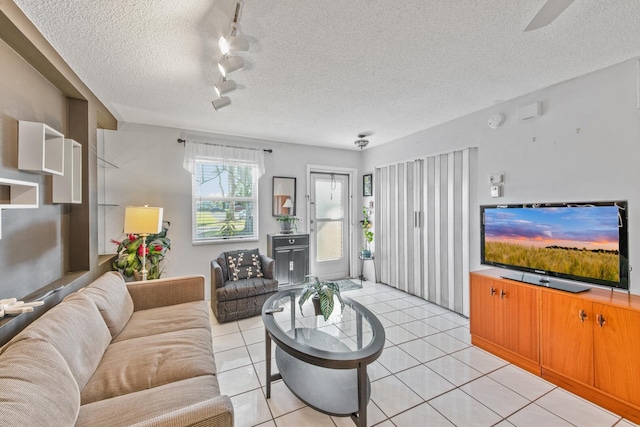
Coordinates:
(485,317)
(566,336)
(617,352)
(520,306)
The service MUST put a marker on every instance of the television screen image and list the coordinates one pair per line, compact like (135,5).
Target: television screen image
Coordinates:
(586,241)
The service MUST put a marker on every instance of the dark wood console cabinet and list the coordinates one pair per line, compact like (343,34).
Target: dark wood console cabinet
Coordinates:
(587,343)
(291,253)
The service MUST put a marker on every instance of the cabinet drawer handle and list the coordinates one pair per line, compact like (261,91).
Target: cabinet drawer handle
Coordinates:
(503,294)
(600,320)
(582,315)
(292,241)
(492,292)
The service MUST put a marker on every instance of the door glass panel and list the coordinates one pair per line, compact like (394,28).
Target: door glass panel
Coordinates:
(329,219)
(329,241)
(329,199)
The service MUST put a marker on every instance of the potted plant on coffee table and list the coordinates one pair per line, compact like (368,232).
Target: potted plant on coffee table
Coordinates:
(321,293)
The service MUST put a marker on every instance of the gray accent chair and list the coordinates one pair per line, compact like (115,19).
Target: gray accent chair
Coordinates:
(234,295)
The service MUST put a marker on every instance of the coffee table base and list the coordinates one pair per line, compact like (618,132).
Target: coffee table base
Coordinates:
(332,391)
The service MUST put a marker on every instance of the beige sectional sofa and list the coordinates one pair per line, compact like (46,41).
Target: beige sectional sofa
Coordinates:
(116,354)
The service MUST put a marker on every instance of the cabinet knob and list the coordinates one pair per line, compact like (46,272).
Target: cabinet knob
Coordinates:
(292,241)
(503,294)
(600,320)
(492,291)
(582,315)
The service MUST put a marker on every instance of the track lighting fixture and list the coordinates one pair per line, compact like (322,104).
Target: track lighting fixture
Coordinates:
(233,44)
(225,86)
(361,142)
(230,64)
(221,102)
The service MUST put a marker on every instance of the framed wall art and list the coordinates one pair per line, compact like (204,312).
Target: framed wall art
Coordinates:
(367,185)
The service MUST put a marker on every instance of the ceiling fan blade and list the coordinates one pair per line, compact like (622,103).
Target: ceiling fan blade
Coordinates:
(548,12)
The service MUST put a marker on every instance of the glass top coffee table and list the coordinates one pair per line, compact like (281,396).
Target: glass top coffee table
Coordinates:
(324,363)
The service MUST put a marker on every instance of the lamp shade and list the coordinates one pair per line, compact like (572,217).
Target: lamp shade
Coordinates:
(288,204)
(142,220)
(230,64)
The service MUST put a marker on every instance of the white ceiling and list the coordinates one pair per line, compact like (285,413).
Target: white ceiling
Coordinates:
(321,71)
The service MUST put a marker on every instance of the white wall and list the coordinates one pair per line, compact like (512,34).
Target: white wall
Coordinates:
(586,148)
(149,161)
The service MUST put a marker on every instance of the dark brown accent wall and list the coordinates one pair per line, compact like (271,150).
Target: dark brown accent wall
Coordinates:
(54,245)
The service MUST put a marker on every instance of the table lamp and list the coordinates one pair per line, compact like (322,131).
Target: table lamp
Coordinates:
(143,221)
(286,207)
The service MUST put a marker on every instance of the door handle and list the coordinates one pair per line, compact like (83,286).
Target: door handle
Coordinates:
(600,320)
(503,294)
(492,291)
(582,315)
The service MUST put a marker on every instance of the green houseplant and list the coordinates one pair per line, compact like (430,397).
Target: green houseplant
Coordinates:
(322,292)
(287,223)
(129,258)
(365,224)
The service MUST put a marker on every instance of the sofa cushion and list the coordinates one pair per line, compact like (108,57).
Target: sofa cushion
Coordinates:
(245,288)
(141,363)
(133,408)
(110,294)
(76,329)
(244,264)
(189,315)
(36,386)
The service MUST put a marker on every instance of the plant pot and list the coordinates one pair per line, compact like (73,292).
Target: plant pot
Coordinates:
(316,305)
(365,253)
(285,227)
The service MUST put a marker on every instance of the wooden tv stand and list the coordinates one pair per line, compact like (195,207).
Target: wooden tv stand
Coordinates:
(587,343)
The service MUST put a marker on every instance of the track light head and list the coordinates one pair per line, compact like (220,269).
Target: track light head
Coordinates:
(230,64)
(233,44)
(221,102)
(225,86)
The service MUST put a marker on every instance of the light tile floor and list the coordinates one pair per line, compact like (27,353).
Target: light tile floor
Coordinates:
(428,374)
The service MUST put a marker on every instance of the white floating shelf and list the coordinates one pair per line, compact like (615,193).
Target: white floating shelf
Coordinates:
(17,195)
(40,148)
(68,187)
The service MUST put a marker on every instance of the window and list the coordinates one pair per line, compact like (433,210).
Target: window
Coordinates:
(225,201)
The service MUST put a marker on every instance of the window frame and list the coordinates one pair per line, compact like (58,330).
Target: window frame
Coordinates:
(196,197)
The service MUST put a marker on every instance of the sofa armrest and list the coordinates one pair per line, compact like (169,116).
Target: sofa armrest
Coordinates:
(165,292)
(268,266)
(217,275)
(217,412)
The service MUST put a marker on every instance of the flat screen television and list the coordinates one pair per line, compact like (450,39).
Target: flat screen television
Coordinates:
(586,242)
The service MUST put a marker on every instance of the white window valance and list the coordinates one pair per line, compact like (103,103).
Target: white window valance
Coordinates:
(222,153)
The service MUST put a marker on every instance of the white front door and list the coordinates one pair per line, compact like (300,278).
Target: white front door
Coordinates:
(329,232)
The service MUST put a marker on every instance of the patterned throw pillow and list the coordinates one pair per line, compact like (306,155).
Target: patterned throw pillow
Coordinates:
(244,264)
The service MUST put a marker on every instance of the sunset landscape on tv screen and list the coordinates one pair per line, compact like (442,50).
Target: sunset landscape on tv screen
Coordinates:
(577,241)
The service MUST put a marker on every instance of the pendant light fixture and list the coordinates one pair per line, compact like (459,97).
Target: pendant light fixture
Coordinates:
(361,142)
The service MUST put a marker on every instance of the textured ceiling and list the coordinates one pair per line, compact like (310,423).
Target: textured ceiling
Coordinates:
(320,72)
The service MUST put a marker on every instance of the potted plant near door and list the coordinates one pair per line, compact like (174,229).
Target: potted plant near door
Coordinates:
(321,293)
(365,224)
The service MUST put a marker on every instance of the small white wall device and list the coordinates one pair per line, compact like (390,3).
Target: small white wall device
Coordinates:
(495,121)
(529,112)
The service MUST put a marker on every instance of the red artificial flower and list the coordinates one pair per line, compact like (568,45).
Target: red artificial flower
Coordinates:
(158,248)
(132,237)
(140,251)
(115,242)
